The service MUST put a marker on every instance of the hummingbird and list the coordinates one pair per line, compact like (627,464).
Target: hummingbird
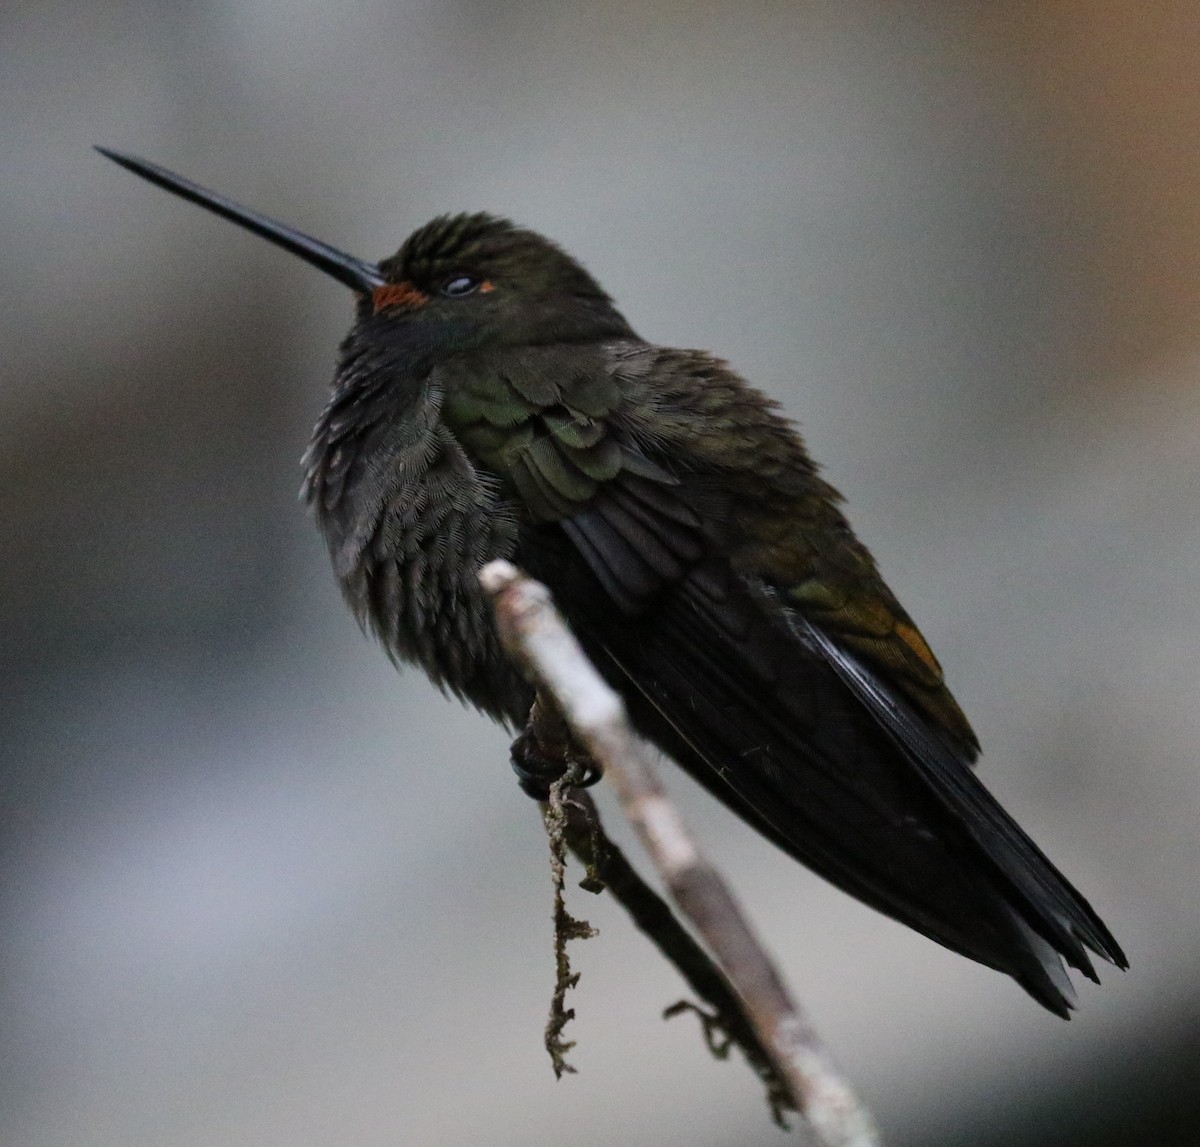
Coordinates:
(490,401)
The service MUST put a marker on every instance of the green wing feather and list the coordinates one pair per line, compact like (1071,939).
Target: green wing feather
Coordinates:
(826,724)
(572,431)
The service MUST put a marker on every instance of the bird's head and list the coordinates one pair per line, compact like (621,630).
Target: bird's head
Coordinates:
(471,280)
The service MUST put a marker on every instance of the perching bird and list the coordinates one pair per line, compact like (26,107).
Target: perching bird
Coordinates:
(491,402)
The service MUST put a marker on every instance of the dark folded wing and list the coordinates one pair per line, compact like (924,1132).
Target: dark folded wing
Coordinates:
(803,742)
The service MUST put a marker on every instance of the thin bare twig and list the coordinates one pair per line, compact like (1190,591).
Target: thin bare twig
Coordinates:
(537,637)
(546,748)
(725,1024)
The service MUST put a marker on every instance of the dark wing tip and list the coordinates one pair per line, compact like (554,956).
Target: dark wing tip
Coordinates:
(1064,922)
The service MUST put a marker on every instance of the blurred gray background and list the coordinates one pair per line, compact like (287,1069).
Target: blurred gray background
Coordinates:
(258,888)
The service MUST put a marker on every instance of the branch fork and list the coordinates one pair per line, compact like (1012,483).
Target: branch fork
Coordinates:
(753,1006)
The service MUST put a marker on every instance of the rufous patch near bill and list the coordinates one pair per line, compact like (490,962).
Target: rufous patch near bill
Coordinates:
(398,295)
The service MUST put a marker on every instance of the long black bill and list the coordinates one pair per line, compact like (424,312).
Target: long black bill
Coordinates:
(355,273)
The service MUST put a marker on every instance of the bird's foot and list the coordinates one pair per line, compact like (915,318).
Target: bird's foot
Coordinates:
(537,769)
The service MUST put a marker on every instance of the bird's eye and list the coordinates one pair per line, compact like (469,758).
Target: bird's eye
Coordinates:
(460,286)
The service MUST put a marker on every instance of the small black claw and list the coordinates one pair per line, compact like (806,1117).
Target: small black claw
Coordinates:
(536,771)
